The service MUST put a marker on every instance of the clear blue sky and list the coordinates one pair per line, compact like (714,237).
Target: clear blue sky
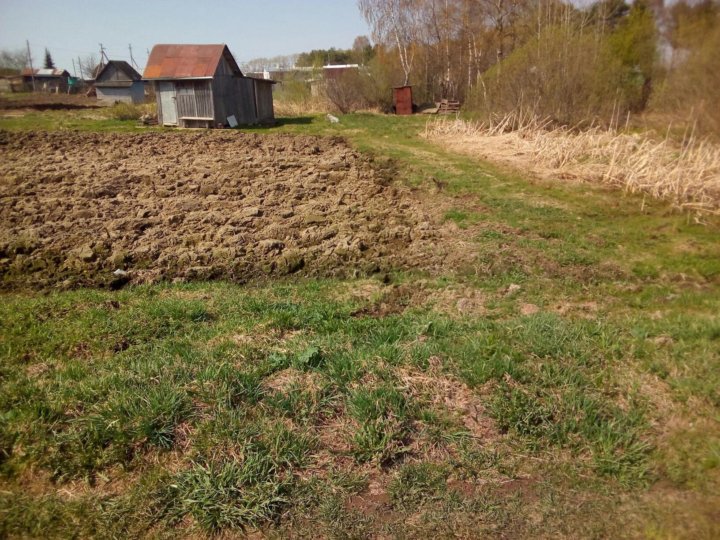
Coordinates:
(251,28)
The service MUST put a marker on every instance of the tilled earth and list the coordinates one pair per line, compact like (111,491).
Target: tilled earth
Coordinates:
(104,209)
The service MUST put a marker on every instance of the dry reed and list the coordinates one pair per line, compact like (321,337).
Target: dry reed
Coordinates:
(686,174)
(311,105)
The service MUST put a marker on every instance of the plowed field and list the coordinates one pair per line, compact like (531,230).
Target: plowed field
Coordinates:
(77,207)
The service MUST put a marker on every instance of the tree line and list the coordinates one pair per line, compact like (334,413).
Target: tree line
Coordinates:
(572,64)
(551,57)
(12,62)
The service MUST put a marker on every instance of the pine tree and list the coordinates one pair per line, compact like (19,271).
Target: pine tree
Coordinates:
(49,64)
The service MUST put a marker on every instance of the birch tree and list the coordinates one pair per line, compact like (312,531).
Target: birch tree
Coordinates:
(394,23)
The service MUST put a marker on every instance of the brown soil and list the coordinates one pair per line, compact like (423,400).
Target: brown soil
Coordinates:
(45,102)
(78,206)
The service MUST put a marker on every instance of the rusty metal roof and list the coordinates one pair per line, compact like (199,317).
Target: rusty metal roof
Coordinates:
(187,61)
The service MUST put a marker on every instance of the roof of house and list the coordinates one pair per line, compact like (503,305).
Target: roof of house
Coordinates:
(43,72)
(121,66)
(187,61)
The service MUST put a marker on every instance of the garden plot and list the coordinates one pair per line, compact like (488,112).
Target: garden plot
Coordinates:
(78,207)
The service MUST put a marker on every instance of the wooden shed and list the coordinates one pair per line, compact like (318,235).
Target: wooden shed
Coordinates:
(402,100)
(119,81)
(202,86)
(46,80)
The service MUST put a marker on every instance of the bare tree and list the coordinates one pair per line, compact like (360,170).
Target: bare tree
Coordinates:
(396,23)
(89,66)
(13,60)
(360,43)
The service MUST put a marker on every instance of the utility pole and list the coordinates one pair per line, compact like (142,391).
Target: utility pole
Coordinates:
(82,75)
(104,57)
(74,70)
(132,60)
(29,58)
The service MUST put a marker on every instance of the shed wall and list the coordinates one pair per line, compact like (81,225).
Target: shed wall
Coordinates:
(112,73)
(194,100)
(234,96)
(48,84)
(130,94)
(264,101)
(137,91)
(113,94)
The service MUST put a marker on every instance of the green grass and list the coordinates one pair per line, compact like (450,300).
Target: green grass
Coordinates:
(209,407)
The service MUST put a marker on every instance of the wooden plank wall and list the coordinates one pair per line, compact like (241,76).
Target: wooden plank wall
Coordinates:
(234,96)
(264,101)
(194,99)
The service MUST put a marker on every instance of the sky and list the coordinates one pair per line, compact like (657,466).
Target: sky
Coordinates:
(251,28)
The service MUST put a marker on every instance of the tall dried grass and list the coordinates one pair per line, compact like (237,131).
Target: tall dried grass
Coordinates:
(311,105)
(685,173)
(131,111)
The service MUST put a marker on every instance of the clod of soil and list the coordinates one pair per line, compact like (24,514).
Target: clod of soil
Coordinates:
(76,207)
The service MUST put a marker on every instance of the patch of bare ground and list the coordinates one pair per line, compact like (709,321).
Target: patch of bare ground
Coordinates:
(158,206)
(465,405)
(378,299)
(262,335)
(391,299)
(44,102)
(289,378)
(587,310)
(459,300)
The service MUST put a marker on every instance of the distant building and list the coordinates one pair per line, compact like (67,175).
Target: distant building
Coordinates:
(118,81)
(46,80)
(202,86)
(335,71)
(318,87)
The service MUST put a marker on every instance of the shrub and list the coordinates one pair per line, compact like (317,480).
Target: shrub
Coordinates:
(562,74)
(345,91)
(294,97)
(692,89)
(130,111)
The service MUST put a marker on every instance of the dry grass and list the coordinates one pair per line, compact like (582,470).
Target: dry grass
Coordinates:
(131,111)
(298,107)
(686,173)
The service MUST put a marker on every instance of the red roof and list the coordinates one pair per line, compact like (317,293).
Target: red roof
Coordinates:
(187,61)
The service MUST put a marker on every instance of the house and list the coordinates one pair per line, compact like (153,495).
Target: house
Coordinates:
(202,86)
(119,81)
(46,80)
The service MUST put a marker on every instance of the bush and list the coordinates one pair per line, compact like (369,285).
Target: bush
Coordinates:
(130,111)
(692,89)
(293,97)
(345,91)
(563,74)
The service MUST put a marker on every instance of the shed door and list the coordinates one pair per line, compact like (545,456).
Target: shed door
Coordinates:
(167,102)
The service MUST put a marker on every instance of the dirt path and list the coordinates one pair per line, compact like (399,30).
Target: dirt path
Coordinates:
(75,207)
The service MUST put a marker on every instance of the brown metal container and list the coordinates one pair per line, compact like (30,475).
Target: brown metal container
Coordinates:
(402,99)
